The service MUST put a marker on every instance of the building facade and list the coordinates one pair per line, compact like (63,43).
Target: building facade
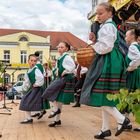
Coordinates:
(16,45)
(15,49)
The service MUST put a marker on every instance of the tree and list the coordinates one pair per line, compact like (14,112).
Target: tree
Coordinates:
(1,70)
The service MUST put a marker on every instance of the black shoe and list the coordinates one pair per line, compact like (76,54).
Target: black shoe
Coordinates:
(102,135)
(53,124)
(27,121)
(0,135)
(136,129)
(41,114)
(35,115)
(76,105)
(54,113)
(123,126)
(128,127)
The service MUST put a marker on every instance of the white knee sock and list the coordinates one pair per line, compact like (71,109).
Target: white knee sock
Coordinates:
(57,117)
(28,115)
(60,105)
(105,117)
(55,106)
(115,113)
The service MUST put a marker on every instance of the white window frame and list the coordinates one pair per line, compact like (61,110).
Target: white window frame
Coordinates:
(23,57)
(6,56)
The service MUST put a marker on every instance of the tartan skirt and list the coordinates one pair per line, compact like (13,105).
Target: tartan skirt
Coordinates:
(105,76)
(133,80)
(66,95)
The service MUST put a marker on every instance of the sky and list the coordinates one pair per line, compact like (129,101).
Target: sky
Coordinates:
(48,15)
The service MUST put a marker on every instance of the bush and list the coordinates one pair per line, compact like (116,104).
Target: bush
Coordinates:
(130,100)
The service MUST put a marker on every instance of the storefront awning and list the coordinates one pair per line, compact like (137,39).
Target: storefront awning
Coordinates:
(118,4)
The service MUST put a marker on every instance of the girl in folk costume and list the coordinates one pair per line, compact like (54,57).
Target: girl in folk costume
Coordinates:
(66,66)
(106,74)
(48,74)
(46,104)
(54,70)
(133,61)
(33,83)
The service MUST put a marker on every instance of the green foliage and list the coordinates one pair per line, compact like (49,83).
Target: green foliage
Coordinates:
(50,64)
(130,100)
(1,70)
(1,67)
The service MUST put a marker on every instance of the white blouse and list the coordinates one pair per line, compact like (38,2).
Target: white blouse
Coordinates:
(107,35)
(134,55)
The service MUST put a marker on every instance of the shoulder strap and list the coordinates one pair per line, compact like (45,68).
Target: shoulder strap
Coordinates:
(138,46)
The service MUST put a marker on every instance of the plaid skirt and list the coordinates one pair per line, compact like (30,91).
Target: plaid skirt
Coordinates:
(32,101)
(106,75)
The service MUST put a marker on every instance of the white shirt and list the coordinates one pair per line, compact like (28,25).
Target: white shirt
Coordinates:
(134,55)
(107,36)
(82,71)
(48,73)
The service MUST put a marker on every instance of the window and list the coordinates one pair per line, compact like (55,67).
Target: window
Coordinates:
(7,56)
(23,38)
(23,56)
(41,56)
(53,57)
(20,77)
(7,78)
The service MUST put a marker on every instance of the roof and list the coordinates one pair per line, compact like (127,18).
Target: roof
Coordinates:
(55,37)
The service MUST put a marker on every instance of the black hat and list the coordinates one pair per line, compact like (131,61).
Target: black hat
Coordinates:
(37,54)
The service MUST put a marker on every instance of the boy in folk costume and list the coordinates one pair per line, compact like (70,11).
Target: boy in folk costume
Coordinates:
(106,74)
(33,83)
(80,73)
(133,61)
(66,66)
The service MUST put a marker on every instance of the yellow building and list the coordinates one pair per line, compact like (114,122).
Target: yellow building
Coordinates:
(15,48)
(16,45)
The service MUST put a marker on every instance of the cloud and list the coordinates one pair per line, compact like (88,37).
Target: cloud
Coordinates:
(50,15)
